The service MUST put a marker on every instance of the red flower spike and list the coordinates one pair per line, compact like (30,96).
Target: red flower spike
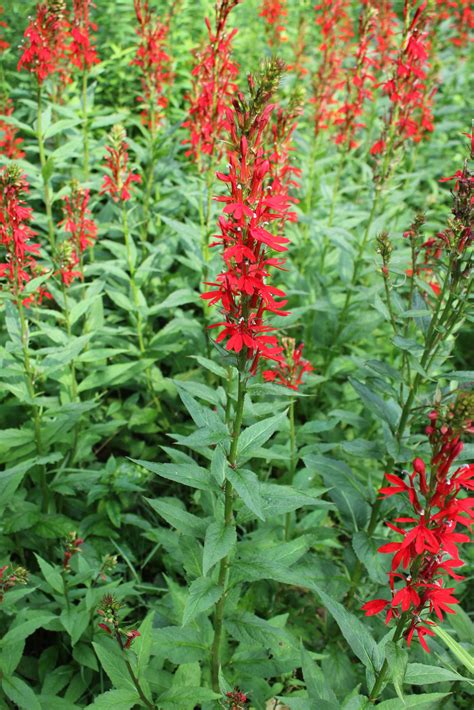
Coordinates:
(120,179)
(82,51)
(16,236)
(258,183)
(213,89)
(10,144)
(410,115)
(429,546)
(274,13)
(333,18)
(44,45)
(290,370)
(154,63)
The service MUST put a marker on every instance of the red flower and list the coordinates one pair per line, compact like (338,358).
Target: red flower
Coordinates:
(429,548)
(213,89)
(410,114)
(73,545)
(3,44)
(77,218)
(375,606)
(289,370)
(118,183)
(44,45)
(9,142)
(153,61)
(16,235)
(274,12)
(130,636)
(257,199)
(333,18)
(82,51)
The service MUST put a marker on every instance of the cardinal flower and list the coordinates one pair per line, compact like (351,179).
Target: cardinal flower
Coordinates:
(428,551)
(119,179)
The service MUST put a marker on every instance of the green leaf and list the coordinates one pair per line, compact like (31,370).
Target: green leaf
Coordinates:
(114,665)
(75,621)
(354,631)
(26,628)
(20,693)
(112,375)
(366,551)
(280,499)
(180,645)
(123,699)
(187,474)
(51,575)
(256,435)
(219,541)
(186,523)
(316,682)
(246,485)
(427,701)
(422,674)
(203,594)
(389,410)
(174,698)
(461,654)
(397,658)
(143,643)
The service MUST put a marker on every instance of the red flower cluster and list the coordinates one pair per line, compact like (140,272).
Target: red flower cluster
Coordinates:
(153,62)
(460,13)
(336,29)
(428,550)
(3,43)
(120,180)
(82,52)
(213,88)
(109,611)
(73,546)
(274,12)
(358,84)
(9,142)
(289,370)
(243,289)
(235,700)
(453,242)
(385,31)
(16,235)
(8,580)
(77,218)
(44,47)
(410,115)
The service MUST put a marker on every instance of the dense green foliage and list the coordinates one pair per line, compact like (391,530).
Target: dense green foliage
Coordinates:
(134,444)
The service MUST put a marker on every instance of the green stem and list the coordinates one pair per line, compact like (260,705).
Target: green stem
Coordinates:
(74,392)
(293,460)
(85,125)
(43,163)
(132,675)
(376,690)
(133,285)
(29,375)
(228,521)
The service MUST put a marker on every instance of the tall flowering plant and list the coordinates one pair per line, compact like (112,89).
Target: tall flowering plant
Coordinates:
(274,13)
(334,21)
(213,88)
(153,62)
(243,289)
(18,270)
(410,115)
(81,230)
(16,236)
(42,54)
(427,554)
(83,55)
